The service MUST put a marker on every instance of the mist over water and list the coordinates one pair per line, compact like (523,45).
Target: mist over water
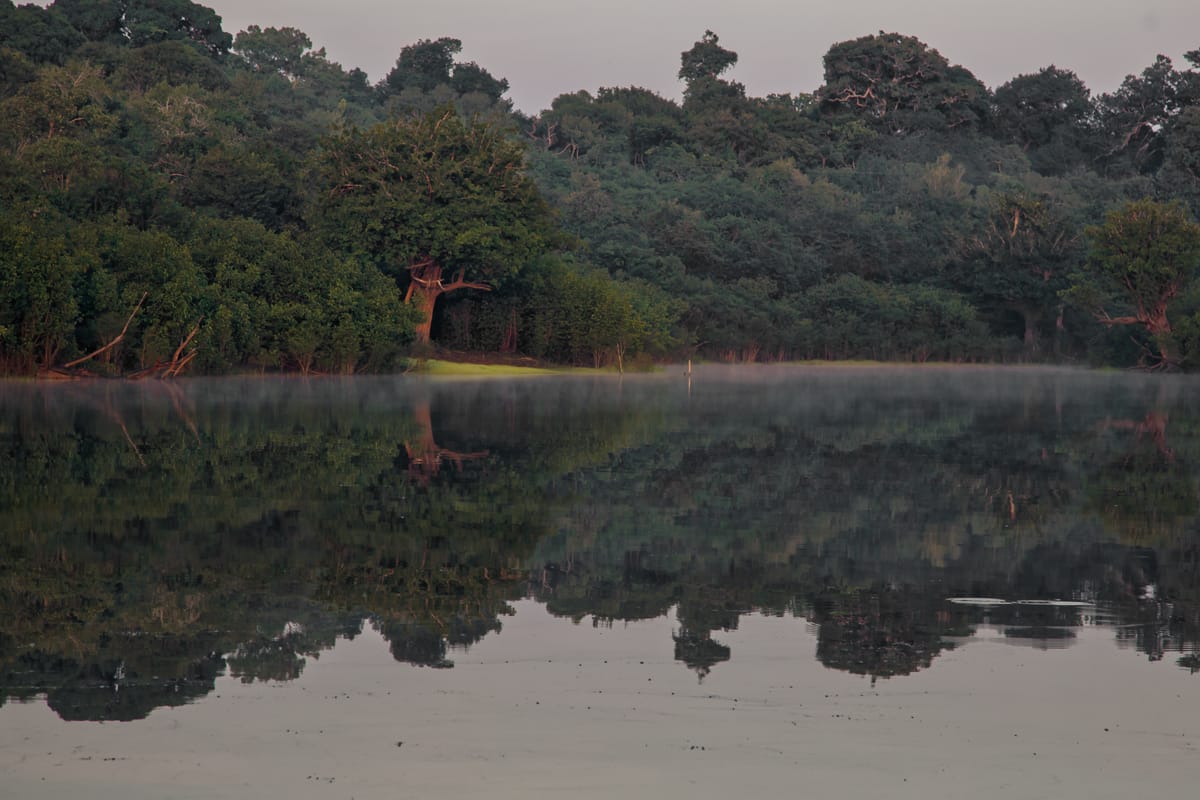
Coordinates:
(651,545)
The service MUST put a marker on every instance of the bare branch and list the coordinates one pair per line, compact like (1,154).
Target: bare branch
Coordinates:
(114,342)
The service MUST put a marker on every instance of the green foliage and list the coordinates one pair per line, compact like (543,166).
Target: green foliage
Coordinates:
(571,313)
(705,61)
(434,187)
(426,76)
(169,62)
(1027,246)
(900,85)
(41,34)
(67,101)
(276,302)
(1048,115)
(852,317)
(39,269)
(1136,120)
(1147,247)
(579,316)
(140,122)
(149,21)
(424,65)
(278,50)
(1143,256)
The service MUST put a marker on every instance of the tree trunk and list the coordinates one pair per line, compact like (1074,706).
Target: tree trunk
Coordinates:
(426,286)
(1154,320)
(1160,329)
(424,300)
(1031,318)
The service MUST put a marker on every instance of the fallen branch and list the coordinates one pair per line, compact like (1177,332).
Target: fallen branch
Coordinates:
(172,368)
(117,340)
(176,366)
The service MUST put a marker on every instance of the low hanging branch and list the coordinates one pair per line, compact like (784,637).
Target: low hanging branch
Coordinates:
(426,286)
(430,280)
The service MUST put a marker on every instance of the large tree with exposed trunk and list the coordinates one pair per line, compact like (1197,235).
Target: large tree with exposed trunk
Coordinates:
(1143,256)
(439,202)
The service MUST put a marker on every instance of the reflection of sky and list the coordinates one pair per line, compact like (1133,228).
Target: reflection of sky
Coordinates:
(548,47)
(1037,638)
(551,706)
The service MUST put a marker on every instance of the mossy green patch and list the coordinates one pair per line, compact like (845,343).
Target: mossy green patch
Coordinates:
(440,368)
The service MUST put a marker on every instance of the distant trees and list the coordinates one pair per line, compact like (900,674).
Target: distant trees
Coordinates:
(901,84)
(702,66)
(142,22)
(1049,114)
(901,194)
(38,33)
(1137,119)
(278,50)
(424,65)
(427,69)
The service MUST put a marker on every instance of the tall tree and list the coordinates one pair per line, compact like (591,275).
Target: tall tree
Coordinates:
(1028,244)
(470,77)
(429,200)
(901,84)
(1143,256)
(141,22)
(273,49)
(1048,114)
(705,61)
(1137,118)
(424,65)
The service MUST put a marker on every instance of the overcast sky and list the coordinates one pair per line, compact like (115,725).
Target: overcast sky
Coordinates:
(547,47)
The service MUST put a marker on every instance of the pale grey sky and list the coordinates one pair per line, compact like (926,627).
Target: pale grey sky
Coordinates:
(547,47)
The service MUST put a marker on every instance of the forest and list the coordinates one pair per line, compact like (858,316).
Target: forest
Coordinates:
(179,199)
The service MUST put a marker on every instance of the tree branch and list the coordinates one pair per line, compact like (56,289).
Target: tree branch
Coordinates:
(117,340)
(459,283)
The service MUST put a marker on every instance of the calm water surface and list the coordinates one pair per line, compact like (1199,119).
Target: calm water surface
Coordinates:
(837,582)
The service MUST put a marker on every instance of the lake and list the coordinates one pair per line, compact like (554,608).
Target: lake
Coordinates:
(824,581)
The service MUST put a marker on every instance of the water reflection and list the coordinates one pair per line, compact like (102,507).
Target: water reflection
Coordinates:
(155,536)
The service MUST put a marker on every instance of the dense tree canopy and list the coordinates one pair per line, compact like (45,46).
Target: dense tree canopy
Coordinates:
(1049,115)
(1143,256)
(900,210)
(432,197)
(901,84)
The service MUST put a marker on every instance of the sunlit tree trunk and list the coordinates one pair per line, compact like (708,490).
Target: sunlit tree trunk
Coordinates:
(426,286)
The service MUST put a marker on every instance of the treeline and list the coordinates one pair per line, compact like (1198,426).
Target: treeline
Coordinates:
(900,211)
(277,211)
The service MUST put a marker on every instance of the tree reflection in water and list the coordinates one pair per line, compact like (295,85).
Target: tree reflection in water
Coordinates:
(155,538)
